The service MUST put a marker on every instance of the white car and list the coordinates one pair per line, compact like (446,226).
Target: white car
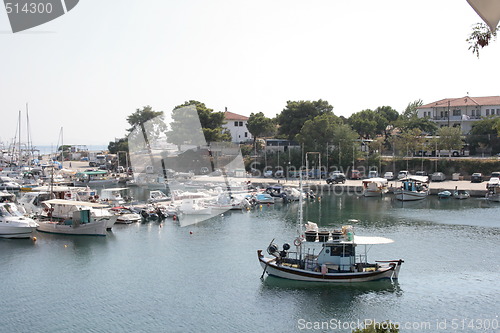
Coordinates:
(403,174)
(268,173)
(389,175)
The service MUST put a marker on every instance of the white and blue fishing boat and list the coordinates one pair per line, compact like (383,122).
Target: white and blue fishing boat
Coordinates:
(327,256)
(412,188)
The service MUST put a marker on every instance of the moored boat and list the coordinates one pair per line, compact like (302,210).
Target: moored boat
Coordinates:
(13,223)
(374,187)
(412,188)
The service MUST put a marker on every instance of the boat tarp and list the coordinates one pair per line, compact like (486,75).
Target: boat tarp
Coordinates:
(422,179)
(92,173)
(376,180)
(371,240)
(74,203)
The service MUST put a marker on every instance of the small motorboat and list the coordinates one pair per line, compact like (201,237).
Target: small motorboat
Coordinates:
(444,194)
(461,194)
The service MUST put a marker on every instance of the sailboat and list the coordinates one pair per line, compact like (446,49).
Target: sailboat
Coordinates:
(327,256)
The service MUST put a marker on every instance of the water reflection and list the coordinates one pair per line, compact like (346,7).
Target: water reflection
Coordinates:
(315,300)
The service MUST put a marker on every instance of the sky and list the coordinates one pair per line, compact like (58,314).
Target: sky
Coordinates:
(88,70)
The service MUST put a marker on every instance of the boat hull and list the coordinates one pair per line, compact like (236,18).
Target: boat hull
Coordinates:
(16,231)
(285,272)
(97,228)
(404,195)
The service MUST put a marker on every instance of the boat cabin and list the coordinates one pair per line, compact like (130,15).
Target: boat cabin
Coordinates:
(338,256)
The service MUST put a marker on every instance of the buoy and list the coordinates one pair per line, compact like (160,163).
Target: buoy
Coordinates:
(221,215)
(65,245)
(34,239)
(190,232)
(174,217)
(319,198)
(260,206)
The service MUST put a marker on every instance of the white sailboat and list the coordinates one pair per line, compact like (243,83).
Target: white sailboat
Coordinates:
(13,223)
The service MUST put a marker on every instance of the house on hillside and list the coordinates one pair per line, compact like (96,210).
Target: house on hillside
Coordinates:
(463,111)
(237,126)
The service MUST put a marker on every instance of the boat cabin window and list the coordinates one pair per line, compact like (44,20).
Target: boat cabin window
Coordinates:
(344,250)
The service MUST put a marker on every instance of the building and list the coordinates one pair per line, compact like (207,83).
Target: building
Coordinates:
(275,145)
(237,126)
(463,111)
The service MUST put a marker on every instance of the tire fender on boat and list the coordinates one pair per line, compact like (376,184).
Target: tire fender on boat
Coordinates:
(297,241)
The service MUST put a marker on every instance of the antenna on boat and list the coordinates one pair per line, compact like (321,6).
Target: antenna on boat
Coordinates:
(300,213)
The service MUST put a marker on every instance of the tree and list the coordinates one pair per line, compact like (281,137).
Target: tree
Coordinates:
(211,122)
(147,126)
(259,125)
(118,145)
(409,142)
(411,109)
(367,123)
(185,129)
(140,117)
(295,114)
(484,134)
(317,132)
(389,116)
(450,138)
(422,124)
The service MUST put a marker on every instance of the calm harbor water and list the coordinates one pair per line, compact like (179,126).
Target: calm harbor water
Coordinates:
(204,277)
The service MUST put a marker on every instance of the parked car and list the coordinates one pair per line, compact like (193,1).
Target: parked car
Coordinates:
(268,173)
(389,175)
(355,174)
(476,177)
(495,174)
(336,178)
(438,177)
(421,173)
(373,174)
(403,174)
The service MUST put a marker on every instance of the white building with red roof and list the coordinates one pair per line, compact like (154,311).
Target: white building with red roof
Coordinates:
(462,111)
(237,126)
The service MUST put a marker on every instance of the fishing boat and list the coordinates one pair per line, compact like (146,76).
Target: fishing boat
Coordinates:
(94,178)
(493,189)
(412,188)
(76,218)
(374,187)
(13,223)
(327,256)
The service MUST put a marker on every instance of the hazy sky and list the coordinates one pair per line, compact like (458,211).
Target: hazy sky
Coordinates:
(89,69)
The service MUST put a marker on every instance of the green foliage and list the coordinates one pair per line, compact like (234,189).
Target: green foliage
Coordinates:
(140,117)
(64,148)
(295,114)
(480,36)
(368,123)
(409,142)
(259,125)
(317,132)
(449,138)
(115,146)
(411,109)
(422,124)
(186,118)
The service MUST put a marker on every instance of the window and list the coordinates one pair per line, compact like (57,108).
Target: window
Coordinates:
(241,123)
(457,112)
(487,112)
(498,112)
(478,112)
(246,134)
(235,123)
(473,113)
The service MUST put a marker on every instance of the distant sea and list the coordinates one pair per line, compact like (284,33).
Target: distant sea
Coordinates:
(50,149)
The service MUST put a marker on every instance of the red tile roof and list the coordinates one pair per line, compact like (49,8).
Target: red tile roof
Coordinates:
(233,116)
(464,101)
